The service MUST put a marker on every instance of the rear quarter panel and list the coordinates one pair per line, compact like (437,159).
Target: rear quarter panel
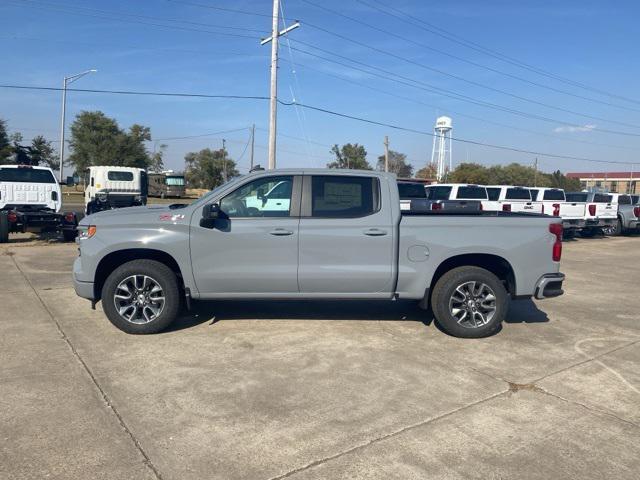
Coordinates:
(525,243)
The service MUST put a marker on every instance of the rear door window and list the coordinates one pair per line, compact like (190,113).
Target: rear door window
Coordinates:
(493,194)
(602,198)
(471,192)
(518,194)
(576,197)
(116,176)
(553,195)
(26,175)
(438,193)
(624,200)
(408,191)
(337,196)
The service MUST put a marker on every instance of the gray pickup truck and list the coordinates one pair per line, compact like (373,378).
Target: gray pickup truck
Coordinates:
(315,234)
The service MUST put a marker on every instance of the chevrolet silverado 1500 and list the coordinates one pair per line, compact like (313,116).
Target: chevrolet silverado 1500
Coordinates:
(342,235)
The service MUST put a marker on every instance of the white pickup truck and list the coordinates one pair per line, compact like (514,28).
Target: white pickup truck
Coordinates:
(459,191)
(509,198)
(30,201)
(554,202)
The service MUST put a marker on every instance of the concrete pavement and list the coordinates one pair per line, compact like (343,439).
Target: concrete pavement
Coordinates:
(268,390)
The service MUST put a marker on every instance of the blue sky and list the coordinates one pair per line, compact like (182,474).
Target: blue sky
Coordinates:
(591,42)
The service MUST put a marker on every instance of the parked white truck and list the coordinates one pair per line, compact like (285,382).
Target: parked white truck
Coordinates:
(111,187)
(31,201)
(554,202)
(508,198)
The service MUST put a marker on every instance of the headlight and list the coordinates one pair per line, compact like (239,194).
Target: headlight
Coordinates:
(101,196)
(86,231)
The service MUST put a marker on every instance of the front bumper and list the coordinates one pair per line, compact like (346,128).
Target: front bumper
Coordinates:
(83,289)
(549,286)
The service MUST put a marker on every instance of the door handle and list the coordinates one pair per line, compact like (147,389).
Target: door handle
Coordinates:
(280,232)
(375,232)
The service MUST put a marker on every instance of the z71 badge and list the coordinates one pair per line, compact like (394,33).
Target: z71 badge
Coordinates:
(169,217)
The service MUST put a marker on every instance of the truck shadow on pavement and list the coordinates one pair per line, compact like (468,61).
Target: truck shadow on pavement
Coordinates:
(521,311)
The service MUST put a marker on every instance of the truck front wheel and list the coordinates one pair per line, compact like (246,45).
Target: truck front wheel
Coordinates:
(141,297)
(469,302)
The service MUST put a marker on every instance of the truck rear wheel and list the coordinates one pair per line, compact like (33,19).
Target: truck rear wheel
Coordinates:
(4,227)
(141,297)
(469,302)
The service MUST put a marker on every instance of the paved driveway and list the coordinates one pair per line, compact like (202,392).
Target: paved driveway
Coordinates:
(271,390)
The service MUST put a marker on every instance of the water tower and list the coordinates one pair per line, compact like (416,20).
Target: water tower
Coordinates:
(441,152)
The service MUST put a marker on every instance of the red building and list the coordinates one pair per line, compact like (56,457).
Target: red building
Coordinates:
(617,182)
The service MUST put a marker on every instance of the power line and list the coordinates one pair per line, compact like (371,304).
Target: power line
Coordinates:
(471,82)
(116,16)
(473,117)
(133,92)
(329,112)
(397,78)
(455,139)
(429,27)
(470,62)
(201,135)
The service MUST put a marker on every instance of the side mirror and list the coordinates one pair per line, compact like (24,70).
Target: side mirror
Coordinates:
(211,211)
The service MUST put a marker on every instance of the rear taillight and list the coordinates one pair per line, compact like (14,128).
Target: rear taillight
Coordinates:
(556,229)
(506,207)
(556,209)
(636,211)
(543,208)
(592,210)
(70,217)
(436,206)
(12,217)
(481,207)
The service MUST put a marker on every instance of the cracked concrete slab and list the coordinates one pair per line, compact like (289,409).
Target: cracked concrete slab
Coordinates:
(362,389)
(524,435)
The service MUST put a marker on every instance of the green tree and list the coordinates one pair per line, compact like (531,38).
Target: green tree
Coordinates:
(429,172)
(209,168)
(98,140)
(157,158)
(470,173)
(350,156)
(558,180)
(6,148)
(397,164)
(43,153)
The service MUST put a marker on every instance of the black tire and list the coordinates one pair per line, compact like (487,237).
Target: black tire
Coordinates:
(569,234)
(588,232)
(618,229)
(4,227)
(461,277)
(159,273)
(69,235)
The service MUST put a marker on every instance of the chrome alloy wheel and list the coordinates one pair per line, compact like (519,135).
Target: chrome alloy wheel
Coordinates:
(473,304)
(139,299)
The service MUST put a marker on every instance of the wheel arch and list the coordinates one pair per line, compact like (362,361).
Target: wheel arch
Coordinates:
(495,264)
(113,260)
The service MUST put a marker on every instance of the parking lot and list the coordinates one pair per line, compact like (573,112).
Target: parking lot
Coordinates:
(270,390)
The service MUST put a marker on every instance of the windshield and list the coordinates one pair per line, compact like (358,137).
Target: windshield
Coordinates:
(408,191)
(175,181)
(119,176)
(205,198)
(518,194)
(27,175)
(601,198)
(472,192)
(553,195)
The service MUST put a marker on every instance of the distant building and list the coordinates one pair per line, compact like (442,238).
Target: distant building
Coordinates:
(616,182)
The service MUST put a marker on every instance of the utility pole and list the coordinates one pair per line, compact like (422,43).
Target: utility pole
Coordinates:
(273,102)
(386,153)
(253,143)
(224,160)
(535,173)
(66,81)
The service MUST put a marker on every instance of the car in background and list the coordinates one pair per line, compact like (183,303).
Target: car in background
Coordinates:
(554,202)
(508,198)
(628,214)
(167,184)
(458,192)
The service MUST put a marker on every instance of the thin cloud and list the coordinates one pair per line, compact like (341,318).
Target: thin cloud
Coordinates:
(571,129)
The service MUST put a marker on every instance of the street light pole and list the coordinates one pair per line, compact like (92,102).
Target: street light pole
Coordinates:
(66,81)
